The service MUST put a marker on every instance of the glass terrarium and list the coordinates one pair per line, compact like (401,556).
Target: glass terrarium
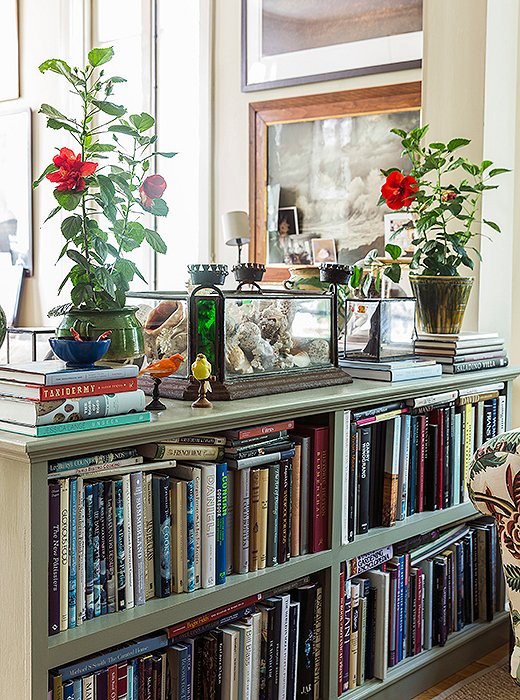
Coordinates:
(258,342)
(379,329)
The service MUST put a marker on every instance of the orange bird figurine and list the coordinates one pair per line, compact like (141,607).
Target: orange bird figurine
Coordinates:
(158,371)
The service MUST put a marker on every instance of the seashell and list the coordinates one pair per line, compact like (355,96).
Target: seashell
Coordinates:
(301,359)
(248,336)
(237,361)
(319,351)
(167,314)
(142,313)
(171,341)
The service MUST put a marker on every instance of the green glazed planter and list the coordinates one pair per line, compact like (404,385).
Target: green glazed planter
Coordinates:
(441,302)
(3,326)
(127,342)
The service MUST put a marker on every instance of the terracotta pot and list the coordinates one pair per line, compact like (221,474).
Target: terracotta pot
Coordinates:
(441,302)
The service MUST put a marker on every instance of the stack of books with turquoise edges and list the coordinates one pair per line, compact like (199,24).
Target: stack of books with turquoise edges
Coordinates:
(45,398)
(462,352)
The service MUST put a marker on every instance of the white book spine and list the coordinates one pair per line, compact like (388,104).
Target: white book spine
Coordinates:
(457,452)
(208,516)
(502,417)
(433,399)
(64,554)
(230,518)
(197,526)
(149,573)
(80,553)
(242,519)
(230,664)
(284,648)
(479,425)
(88,687)
(346,475)
(404,467)
(136,486)
(129,564)
(256,655)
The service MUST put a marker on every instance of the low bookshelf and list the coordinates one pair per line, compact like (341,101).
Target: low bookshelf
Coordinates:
(29,653)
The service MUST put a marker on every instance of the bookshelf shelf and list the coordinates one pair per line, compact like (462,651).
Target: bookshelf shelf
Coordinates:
(30,653)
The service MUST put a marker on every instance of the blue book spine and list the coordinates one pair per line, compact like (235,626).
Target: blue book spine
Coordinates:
(73,491)
(494,417)
(161,530)
(189,663)
(130,682)
(110,549)
(95,548)
(91,424)
(78,689)
(220,524)
(68,690)
(183,674)
(414,452)
(190,549)
(89,551)
(135,678)
(120,544)
(102,550)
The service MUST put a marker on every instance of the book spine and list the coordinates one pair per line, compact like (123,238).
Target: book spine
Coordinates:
(262,518)
(272,517)
(92,424)
(305,495)
(364,480)
(64,554)
(129,560)
(414,465)
(352,486)
(431,470)
(284,648)
(110,548)
(306,596)
(89,551)
(354,635)
(494,416)
(178,550)
(198,440)
(260,460)
(254,520)
(220,523)
(208,516)
(164,451)
(391,472)
(230,526)
(488,421)
(295,502)
(345,482)
(294,625)
(320,486)
(119,542)
(283,513)
(341,628)
(73,485)
(149,574)
(80,553)
(95,547)
(189,577)
(256,660)
(477,366)
(92,460)
(102,550)
(258,431)
(502,417)
(162,541)
(404,467)
(433,399)
(99,406)
(138,553)
(82,389)
(242,520)
(54,558)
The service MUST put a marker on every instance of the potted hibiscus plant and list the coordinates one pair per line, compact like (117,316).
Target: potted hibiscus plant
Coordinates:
(102,187)
(445,210)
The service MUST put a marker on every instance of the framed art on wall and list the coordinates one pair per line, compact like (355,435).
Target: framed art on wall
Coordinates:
(289,42)
(322,155)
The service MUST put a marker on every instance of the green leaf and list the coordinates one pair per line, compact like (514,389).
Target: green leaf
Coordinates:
(512,574)
(492,225)
(100,248)
(57,65)
(457,143)
(142,122)
(67,200)
(393,250)
(50,111)
(100,147)
(110,108)
(399,132)
(53,213)
(56,124)
(105,281)
(393,272)
(485,165)
(438,145)
(106,188)
(164,154)
(96,57)
(71,226)
(355,278)
(78,258)
(159,207)
(365,285)
(49,169)
(470,168)
(122,129)
(117,79)
(81,294)
(498,171)
(155,241)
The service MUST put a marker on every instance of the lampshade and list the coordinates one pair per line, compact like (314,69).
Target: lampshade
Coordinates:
(235,225)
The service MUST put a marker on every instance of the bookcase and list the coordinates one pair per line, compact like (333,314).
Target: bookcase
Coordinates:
(28,653)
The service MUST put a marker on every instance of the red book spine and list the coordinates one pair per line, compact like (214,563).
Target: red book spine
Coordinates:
(261,430)
(439,496)
(341,629)
(112,682)
(421,458)
(73,391)
(418,611)
(320,489)
(224,611)
(122,680)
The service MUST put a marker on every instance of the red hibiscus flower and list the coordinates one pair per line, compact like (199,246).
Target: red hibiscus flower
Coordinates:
(152,188)
(71,171)
(398,190)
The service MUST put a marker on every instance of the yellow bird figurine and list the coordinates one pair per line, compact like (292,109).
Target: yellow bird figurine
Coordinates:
(201,371)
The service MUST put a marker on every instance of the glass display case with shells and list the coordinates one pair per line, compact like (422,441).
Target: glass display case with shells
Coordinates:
(258,342)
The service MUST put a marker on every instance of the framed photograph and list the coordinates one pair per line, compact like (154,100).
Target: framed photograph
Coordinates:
(290,42)
(400,230)
(16,184)
(288,221)
(322,155)
(323,251)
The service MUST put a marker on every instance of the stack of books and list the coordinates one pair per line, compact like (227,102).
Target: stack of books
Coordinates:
(413,456)
(46,398)
(393,370)
(462,352)
(265,646)
(413,596)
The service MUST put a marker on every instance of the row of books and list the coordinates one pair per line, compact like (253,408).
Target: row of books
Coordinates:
(122,531)
(413,456)
(46,398)
(420,593)
(268,646)
(462,352)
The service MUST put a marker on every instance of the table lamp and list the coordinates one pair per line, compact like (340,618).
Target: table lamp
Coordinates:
(235,225)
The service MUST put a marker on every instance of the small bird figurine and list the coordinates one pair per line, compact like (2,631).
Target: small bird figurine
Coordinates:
(158,371)
(201,371)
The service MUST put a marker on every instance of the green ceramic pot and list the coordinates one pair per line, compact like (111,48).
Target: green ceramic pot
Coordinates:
(127,344)
(3,326)
(441,302)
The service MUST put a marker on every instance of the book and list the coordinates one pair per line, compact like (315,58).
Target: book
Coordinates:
(123,466)
(475,366)
(230,522)
(138,551)
(458,344)
(73,512)
(55,373)
(306,597)
(385,365)
(76,426)
(220,523)
(260,460)
(60,411)
(162,535)
(305,482)
(167,451)
(273,504)
(262,518)
(128,542)
(433,399)
(363,480)
(119,544)
(391,472)
(464,336)
(149,573)
(64,553)
(54,557)
(191,473)
(259,430)
(398,374)
(208,525)
(242,521)
(473,356)
(230,676)
(197,440)
(98,459)
(284,513)
(270,447)
(254,521)
(38,392)
(178,534)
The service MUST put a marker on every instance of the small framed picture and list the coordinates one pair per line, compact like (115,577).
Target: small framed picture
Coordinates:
(323,250)
(400,230)
(288,221)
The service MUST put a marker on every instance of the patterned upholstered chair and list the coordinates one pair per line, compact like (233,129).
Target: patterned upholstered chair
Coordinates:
(494,488)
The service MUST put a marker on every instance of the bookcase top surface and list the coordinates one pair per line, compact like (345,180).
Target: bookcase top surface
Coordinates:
(181,419)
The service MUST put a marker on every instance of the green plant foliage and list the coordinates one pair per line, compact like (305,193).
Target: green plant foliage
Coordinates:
(103,225)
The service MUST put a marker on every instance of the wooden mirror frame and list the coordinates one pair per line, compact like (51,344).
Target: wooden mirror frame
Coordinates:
(376,100)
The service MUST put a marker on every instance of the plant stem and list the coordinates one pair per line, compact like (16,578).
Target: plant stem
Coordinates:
(84,134)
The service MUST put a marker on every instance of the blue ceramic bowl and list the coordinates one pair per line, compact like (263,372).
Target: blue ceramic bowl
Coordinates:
(79,354)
